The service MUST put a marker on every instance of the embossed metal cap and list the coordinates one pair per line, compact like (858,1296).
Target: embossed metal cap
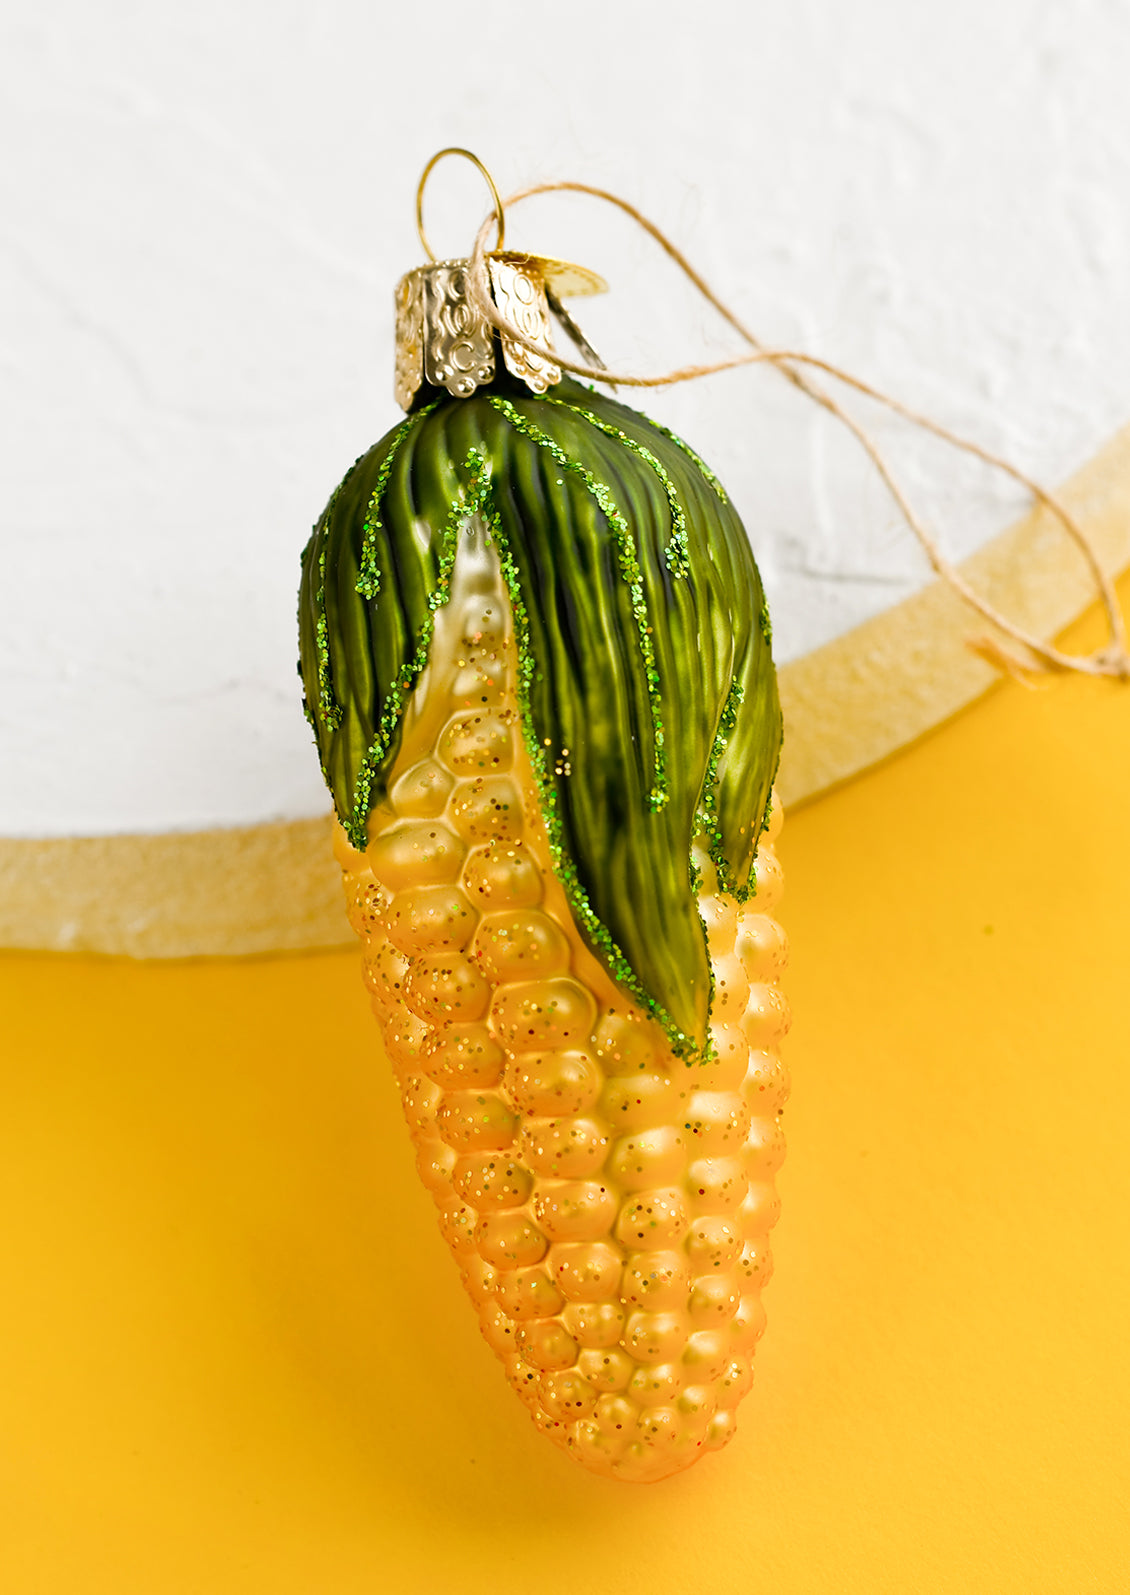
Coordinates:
(443,338)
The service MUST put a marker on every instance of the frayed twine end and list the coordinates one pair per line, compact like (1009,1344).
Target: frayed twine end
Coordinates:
(1031,672)
(1041,664)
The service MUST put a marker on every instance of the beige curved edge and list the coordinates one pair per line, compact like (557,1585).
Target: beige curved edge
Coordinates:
(274,887)
(176,894)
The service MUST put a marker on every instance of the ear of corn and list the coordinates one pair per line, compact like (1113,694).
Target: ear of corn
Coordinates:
(577,983)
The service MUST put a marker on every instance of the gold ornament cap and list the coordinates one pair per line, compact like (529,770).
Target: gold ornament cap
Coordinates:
(443,338)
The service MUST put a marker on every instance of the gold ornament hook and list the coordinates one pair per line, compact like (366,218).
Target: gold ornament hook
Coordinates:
(499,211)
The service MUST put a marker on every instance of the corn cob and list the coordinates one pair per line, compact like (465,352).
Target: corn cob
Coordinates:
(599,1128)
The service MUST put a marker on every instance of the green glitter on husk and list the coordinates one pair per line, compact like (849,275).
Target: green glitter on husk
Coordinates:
(328,707)
(629,570)
(675,554)
(368,583)
(708,475)
(709,823)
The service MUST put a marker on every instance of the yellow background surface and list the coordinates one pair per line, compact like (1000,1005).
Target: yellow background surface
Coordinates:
(235,1355)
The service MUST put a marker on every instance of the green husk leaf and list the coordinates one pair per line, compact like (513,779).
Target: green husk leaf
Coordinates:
(639,617)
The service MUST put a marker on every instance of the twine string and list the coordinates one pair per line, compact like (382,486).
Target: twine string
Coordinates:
(1112,660)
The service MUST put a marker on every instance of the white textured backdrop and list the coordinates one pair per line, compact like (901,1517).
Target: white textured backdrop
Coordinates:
(204,210)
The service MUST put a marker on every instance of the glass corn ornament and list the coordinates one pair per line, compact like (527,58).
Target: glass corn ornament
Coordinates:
(536,660)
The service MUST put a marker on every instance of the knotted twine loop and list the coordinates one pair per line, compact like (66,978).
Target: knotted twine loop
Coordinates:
(1112,660)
